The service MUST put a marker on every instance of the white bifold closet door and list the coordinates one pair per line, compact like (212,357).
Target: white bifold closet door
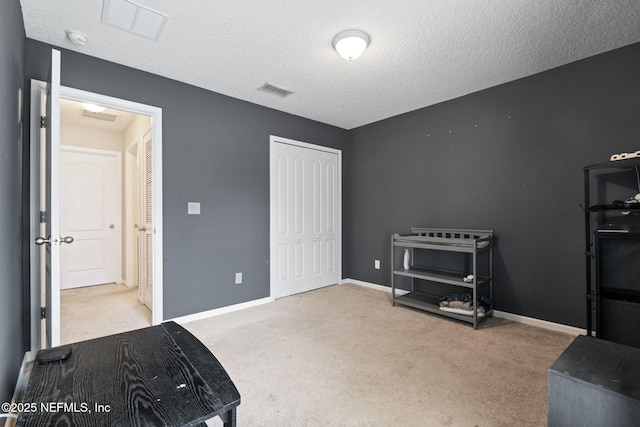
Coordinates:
(304,219)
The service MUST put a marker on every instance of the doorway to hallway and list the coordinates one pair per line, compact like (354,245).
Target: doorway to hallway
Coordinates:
(127,222)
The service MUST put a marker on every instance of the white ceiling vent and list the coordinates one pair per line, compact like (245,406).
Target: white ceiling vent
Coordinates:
(274,90)
(134,17)
(106,117)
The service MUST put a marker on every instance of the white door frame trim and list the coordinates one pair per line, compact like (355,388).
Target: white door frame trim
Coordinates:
(156,124)
(156,160)
(272,203)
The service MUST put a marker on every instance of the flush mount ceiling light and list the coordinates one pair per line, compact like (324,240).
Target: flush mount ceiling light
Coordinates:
(93,107)
(351,43)
(133,17)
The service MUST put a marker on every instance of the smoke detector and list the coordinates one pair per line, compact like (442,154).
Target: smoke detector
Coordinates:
(77,37)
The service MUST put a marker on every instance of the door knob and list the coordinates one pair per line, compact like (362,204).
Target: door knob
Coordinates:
(111,225)
(57,239)
(142,229)
(41,241)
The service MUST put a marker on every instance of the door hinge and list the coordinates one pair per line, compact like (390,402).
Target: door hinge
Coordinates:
(43,217)
(43,312)
(43,122)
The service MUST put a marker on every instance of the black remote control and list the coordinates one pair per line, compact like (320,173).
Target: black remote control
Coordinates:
(54,354)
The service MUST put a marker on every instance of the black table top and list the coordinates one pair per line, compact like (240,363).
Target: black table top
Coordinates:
(156,376)
(608,365)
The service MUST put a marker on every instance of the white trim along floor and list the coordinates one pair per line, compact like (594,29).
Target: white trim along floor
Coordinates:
(558,327)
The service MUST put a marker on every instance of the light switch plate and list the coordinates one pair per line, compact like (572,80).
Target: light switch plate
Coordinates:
(193,208)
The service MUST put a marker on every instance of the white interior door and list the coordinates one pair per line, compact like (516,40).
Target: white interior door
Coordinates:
(52,240)
(305,217)
(91,207)
(145,221)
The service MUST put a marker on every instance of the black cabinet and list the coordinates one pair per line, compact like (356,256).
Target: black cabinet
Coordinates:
(594,383)
(617,281)
(612,248)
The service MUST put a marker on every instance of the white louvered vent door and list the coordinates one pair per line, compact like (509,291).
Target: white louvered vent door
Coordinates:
(145,239)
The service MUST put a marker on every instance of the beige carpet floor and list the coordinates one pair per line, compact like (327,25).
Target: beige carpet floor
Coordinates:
(97,311)
(343,356)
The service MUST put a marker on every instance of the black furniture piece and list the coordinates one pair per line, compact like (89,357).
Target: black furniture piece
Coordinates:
(156,376)
(595,383)
(612,249)
(434,275)
(617,286)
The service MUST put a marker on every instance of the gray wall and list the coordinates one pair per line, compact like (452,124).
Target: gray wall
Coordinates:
(215,151)
(509,158)
(12,39)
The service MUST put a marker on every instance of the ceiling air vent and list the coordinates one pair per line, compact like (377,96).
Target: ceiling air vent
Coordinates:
(274,90)
(133,17)
(107,117)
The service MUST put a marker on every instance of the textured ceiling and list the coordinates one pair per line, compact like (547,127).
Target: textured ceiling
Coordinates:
(422,51)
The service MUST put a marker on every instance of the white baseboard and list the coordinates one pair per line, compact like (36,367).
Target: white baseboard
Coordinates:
(558,327)
(222,310)
(373,286)
(128,283)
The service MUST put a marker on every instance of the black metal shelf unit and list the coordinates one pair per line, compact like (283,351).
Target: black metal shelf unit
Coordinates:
(612,249)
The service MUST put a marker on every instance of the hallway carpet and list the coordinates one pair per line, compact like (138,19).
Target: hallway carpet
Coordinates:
(343,356)
(97,311)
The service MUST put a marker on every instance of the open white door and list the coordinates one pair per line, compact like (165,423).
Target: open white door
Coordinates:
(51,212)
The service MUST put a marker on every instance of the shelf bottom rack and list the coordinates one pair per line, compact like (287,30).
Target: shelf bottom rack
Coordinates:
(430,303)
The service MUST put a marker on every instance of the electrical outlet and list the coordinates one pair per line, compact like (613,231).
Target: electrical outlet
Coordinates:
(376,264)
(238,278)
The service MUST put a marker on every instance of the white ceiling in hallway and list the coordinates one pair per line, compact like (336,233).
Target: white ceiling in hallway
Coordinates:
(71,114)
(422,52)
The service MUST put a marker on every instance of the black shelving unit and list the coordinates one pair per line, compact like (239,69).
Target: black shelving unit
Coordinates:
(612,251)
